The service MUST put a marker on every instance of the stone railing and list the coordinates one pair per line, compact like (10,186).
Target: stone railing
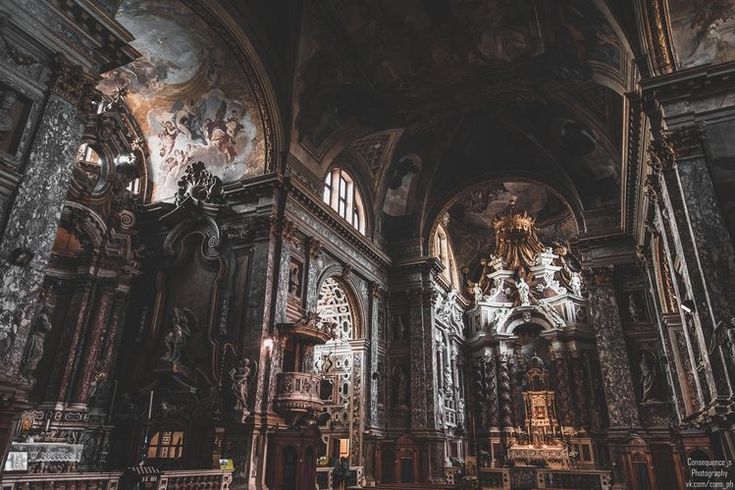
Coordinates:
(494,478)
(195,479)
(569,479)
(298,393)
(167,480)
(61,481)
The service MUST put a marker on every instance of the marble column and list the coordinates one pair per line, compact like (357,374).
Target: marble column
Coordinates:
(419,370)
(673,370)
(617,380)
(36,210)
(30,231)
(703,245)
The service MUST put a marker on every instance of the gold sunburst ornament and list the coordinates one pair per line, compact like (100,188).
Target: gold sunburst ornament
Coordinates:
(516,241)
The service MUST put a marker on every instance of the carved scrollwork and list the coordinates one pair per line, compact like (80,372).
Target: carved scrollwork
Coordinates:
(199,184)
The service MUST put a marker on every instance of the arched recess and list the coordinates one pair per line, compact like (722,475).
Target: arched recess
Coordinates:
(202,96)
(433,218)
(342,362)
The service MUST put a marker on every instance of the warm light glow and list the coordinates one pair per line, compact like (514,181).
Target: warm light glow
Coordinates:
(268,343)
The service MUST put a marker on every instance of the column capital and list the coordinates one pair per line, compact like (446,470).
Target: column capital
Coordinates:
(71,83)
(686,141)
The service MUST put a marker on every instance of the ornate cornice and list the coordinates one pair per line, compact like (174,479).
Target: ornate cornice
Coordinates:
(661,155)
(330,217)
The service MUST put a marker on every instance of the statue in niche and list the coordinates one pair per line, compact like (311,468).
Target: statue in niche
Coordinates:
(294,279)
(575,284)
(523,292)
(182,320)
(40,325)
(649,376)
(633,309)
(240,377)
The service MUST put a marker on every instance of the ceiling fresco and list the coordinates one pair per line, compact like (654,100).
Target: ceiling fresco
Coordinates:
(703,31)
(189,96)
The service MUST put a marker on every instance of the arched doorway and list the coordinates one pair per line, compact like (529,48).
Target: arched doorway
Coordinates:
(341,361)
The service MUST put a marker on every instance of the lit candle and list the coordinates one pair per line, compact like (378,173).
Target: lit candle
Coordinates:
(150,405)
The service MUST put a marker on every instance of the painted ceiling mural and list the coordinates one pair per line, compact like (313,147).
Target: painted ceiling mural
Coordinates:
(187,94)
(703,31)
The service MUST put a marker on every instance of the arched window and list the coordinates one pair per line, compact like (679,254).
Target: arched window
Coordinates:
(443,251)
(334,307)
(342,195)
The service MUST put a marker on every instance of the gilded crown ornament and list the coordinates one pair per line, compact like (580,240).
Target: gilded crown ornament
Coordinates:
(516,241)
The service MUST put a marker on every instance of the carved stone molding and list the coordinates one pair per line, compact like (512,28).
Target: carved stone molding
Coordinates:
(661,155)
(315,248)
(659,36)
(641,253)
(687,141)
(290,234)
(652,186)
(666,148)
(376,291)
(199,184)
(70,82)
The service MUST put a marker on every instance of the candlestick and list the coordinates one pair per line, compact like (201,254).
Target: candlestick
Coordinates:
(150,406)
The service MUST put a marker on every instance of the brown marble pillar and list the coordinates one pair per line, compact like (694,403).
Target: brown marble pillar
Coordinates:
(616,377)
(68,352)
(97,328)
(419,370)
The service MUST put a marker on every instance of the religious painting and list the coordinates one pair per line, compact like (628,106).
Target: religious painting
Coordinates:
(703,31)
(14,111)
(189,96)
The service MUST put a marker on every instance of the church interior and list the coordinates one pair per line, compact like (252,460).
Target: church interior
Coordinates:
(311,244)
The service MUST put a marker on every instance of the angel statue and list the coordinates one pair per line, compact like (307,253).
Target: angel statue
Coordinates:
(241,377)
(523,291)
(182,321)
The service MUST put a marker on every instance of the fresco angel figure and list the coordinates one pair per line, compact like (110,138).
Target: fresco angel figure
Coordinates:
(168,137)
(218,134)
(190,117)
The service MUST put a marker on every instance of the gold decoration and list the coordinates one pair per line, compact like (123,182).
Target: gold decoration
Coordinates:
(516,241)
